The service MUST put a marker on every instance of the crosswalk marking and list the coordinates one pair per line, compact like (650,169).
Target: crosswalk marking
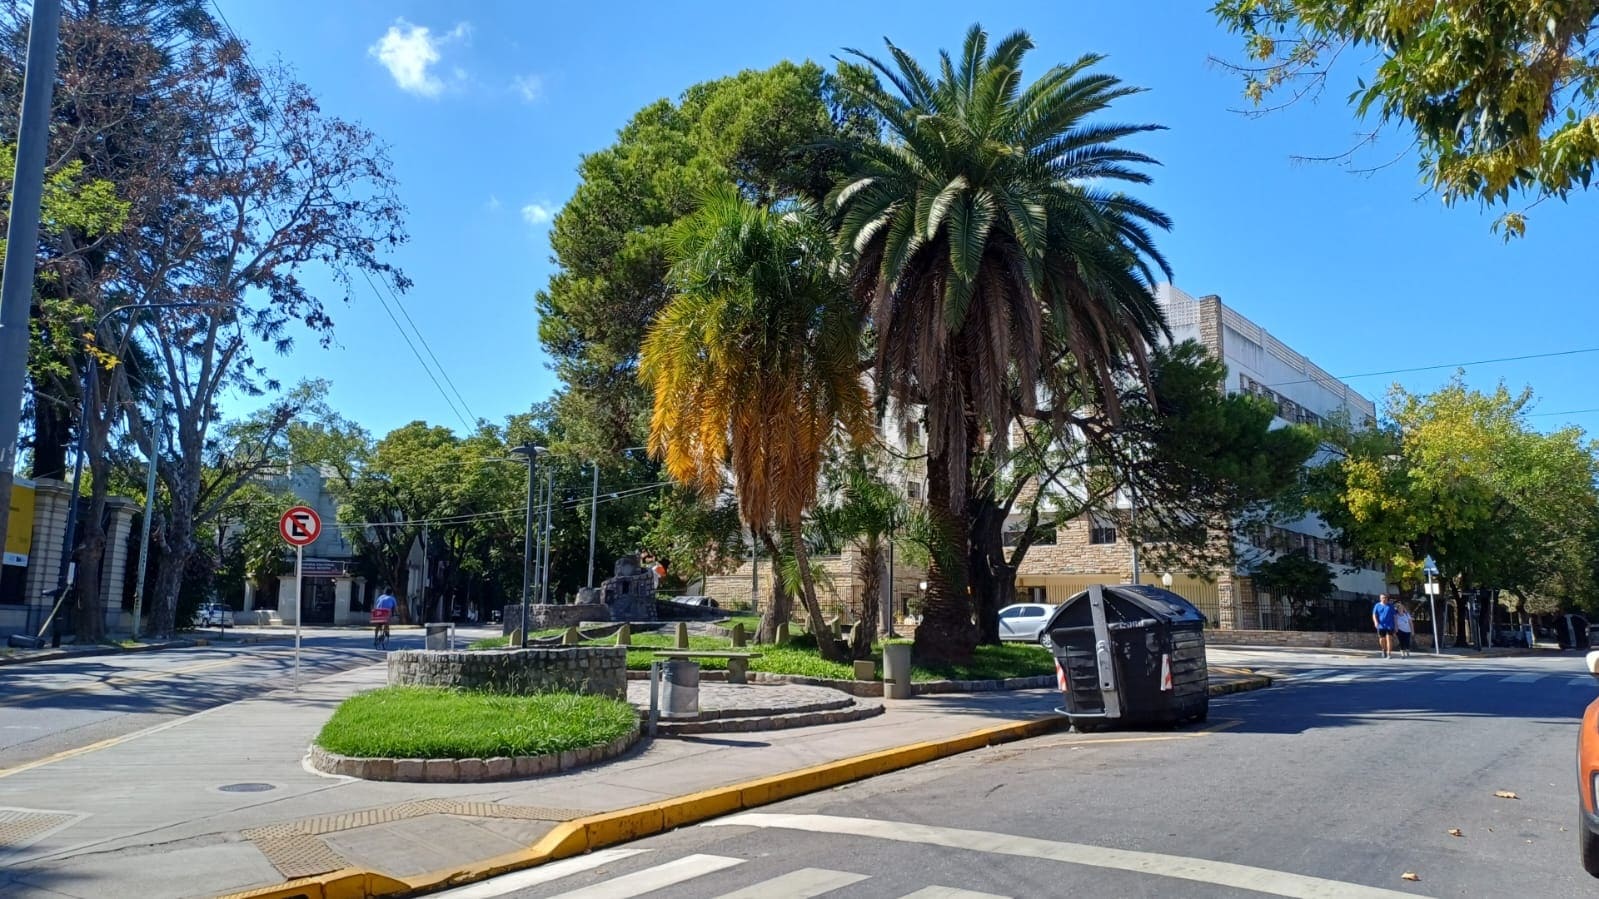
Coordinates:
(521,880)
(1201,870)
(1461,676)
(1525,678)
(801,884)
(949,893)
(659,877)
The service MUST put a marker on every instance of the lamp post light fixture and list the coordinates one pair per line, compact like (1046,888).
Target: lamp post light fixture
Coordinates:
(531,454)
(1165,580)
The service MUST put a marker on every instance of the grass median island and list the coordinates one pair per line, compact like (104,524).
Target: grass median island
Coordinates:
(439,723)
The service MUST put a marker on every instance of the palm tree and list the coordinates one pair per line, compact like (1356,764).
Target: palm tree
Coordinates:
(997,264)
(864,510)
(755,366)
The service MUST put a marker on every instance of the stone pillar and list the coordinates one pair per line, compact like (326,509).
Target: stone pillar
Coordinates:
(49,528)
(1227,616)
(1248,603)
(341,600)
(286,599)
(249,595)
(114,564)
(1210,329)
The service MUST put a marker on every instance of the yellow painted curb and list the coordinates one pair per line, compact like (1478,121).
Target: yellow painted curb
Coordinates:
(571,838)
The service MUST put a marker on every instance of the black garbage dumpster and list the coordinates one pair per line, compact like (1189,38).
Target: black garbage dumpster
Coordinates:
(1130,654)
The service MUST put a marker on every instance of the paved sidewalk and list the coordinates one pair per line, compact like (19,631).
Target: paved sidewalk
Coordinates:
(221,801)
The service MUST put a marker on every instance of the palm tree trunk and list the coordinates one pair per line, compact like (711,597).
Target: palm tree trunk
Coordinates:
(777,608)
(870,569)
(946,633)
(813,609)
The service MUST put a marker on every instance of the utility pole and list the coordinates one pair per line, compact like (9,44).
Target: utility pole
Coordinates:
(149,511)
(549,500)
(594,520)
(531,453)
(22,235)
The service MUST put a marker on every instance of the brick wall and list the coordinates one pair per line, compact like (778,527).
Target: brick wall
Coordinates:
(1073,554)
(545,616)
(578,669)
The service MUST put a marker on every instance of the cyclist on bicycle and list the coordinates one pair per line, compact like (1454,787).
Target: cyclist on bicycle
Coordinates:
(382,613)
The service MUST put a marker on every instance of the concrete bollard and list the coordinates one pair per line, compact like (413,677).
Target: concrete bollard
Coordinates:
(781,637)
(738,633)
(865,669)
(624,635)
(515,639)
(571,637)
(897,670)
(682,635)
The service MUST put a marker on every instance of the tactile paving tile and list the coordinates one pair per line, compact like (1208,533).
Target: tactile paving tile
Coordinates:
(21,827)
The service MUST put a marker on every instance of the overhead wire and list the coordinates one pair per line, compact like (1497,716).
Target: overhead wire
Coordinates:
(469,423)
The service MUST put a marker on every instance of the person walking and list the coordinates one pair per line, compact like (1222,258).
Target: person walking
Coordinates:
(1382,615)
(1403,627)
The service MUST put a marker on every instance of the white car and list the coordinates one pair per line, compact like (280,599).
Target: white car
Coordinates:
(214,614)
(1025,622)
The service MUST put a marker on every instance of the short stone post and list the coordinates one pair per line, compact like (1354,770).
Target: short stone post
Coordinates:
(624,635)
(897,670)
(781,637)
(571,637)
(738,633)
(682,635)
(515,638)
(865,669)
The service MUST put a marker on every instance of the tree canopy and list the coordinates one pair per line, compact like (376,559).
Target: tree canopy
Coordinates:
(1502,98)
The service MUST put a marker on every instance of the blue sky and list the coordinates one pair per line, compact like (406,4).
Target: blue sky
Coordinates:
(488,106)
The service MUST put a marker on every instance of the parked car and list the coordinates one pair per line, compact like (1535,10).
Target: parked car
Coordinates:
(703,602)
(1025,622)
(214,614)
(1588,780)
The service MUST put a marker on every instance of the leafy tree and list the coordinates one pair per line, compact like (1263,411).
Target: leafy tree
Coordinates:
(865,510)
(1502,97)
(765,132)
(986,238)
(1297,578)
(697,537)
(754,364)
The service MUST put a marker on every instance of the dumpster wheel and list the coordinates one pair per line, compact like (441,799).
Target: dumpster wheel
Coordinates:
(1087,725)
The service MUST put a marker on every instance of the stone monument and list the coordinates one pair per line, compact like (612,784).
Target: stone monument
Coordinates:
(630,594)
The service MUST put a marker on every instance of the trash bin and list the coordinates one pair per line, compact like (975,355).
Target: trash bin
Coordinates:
(1130,654)
(436,635)
(680,689)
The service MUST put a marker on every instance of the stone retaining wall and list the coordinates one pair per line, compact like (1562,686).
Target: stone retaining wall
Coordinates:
(1310,639)
(547,616)
(468,770)
(582,669)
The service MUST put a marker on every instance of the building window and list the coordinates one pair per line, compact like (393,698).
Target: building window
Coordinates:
(1038,594)
(1101,530)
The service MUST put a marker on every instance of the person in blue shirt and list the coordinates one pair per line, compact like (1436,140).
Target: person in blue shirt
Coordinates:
(1383,616)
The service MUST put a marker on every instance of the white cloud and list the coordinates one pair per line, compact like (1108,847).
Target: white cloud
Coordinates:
(494,203)
(410,51)
(530,87)
(536,214)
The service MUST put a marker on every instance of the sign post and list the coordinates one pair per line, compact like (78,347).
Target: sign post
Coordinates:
(1430,568)
(299,527)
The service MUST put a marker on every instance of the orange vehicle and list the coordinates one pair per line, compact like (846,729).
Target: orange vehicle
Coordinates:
(1588,779)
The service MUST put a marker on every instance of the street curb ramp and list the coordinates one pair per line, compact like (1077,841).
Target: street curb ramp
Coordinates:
(610,828)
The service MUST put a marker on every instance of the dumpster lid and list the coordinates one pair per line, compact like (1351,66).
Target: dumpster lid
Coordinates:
(1128,603)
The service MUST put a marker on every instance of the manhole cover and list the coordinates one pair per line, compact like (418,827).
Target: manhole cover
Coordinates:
(247,788)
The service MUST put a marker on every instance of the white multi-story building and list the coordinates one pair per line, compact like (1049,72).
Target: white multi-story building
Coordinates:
(1089,550)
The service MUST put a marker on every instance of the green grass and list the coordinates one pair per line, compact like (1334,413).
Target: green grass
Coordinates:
(994,663)
(489,643)
(436,723)
(752,623)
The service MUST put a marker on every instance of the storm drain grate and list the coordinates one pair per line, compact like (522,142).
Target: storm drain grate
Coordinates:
(21,827)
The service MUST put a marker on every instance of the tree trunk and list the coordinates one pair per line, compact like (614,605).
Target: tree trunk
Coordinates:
(871,566)
(993,577)
(177,547)
(52,433)
(777,608)
(946,633)
(1460,615)
(825,643)
(89,621)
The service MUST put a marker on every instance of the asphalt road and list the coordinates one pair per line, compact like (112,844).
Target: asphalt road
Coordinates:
(1335,783)
(47,707)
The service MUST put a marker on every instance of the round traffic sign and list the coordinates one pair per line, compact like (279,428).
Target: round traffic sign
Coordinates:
(300,526)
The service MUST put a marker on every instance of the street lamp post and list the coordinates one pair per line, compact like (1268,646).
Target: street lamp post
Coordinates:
(544,559)
(594,520)
(531,453)
(1430,568)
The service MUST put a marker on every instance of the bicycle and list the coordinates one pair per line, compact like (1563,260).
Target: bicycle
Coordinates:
(380,629)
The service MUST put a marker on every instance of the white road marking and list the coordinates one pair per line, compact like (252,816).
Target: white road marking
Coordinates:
(521,880)
(1201,870)
(1461,676)
(1525,678)
(949,893)
(801,884)
(657,878)
(1342,679)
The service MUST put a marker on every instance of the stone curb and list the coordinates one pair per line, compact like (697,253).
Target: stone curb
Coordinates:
(1242,685)
(745,724)
(571,838)
(872,688)
(469,770)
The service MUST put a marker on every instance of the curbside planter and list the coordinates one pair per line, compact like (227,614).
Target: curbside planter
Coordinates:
(469,770)
(600,670)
